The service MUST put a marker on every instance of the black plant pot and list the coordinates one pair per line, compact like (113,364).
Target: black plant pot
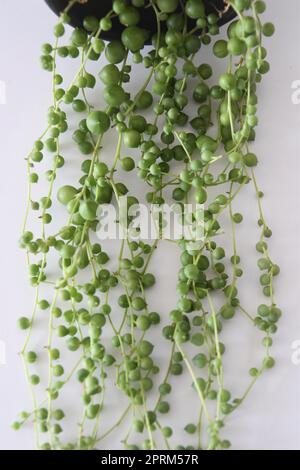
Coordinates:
(99,8)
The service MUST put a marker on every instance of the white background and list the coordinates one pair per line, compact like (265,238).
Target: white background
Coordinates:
(270,419)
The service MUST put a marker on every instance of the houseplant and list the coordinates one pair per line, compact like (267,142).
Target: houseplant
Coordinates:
(192,157)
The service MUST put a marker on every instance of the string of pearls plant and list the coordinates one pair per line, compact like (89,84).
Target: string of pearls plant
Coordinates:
(192,157)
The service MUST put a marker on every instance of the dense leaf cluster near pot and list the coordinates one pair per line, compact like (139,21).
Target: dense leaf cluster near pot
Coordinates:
(166,137)
(147,20)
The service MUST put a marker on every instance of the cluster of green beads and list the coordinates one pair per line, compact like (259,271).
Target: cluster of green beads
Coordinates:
(193,144)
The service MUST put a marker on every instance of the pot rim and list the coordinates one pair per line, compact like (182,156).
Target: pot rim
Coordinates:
(79,11)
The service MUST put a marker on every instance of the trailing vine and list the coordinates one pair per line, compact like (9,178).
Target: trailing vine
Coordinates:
(189,145)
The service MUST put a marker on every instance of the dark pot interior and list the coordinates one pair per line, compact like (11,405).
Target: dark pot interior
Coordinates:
(148,21)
